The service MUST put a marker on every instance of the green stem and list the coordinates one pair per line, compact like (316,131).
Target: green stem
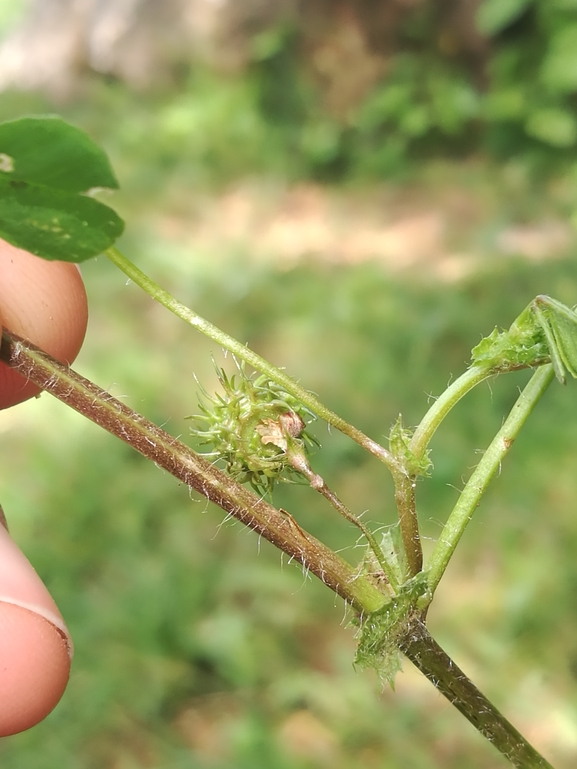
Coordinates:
(280,529)
(246,354)
(487,467)
(318,483)
(405,483)
(408,521)
(426,654)
(444,403)
(192,469)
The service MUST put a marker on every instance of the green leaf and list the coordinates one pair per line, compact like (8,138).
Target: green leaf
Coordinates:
(559,70)
(556,127)
(47,150)
(494,15)
(559,324)
(505,103)
(45,166)
(55,224)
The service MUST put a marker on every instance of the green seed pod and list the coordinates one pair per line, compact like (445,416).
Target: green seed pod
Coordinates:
(251,426)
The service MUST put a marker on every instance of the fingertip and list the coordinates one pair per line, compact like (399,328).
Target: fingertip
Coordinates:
(45,302)
(34,668)
(35,649)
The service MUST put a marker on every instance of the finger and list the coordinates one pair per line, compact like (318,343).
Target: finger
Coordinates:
(35,648)
(45,302)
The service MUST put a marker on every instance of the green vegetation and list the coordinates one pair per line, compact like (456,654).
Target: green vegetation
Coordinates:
(186,640)
(191,651)
(506,89)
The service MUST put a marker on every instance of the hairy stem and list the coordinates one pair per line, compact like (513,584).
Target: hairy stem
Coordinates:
(426,654)
(405,482)
(409,522)
(318,483)
(274,525)
(190,468)
(485,470)
(443,404)
(248,356)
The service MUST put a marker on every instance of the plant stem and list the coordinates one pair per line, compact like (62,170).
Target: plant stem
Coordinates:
(479,480)
(443,404)
(274,525)
(426,654)
(408,520)
(190,468)
(246,354)
(318,483)
(405,482)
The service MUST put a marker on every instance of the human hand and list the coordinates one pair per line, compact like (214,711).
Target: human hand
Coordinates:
(44,302)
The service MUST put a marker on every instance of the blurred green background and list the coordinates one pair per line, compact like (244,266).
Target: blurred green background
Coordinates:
(359,191)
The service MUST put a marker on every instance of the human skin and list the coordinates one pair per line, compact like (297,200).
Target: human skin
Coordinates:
(44,302)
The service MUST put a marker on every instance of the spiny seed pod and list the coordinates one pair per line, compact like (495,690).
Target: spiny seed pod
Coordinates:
(256,428)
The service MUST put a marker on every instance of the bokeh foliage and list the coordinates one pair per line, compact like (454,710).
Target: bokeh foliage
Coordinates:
(194,647)
(196,650)
(503,83)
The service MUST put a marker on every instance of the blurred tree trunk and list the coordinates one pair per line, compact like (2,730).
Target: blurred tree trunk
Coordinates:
(144,43)
(151,43)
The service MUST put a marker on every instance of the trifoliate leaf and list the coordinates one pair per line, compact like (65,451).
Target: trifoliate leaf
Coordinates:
(48,151)
(55,224)
(46,167)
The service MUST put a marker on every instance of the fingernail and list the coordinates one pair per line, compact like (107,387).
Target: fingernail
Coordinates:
(21,586)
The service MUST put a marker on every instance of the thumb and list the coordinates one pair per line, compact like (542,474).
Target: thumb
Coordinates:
(35,647)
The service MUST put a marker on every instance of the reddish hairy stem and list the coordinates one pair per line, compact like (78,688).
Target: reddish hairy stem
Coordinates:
(278,527)
(190,468)
(426,654)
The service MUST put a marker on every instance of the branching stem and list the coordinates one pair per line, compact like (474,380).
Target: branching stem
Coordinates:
(280,529)
(190,468)
(443,404)
(485,470)
(318,483)
(245,354)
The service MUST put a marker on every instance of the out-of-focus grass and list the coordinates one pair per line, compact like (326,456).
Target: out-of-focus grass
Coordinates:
(195,647)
